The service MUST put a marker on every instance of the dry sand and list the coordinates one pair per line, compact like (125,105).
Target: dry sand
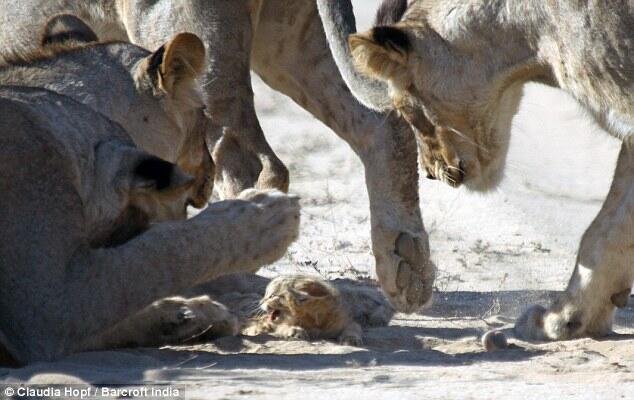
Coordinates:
(496,254)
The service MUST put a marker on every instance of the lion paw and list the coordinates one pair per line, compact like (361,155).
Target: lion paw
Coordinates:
(259,226)
(407,274)
(563,321)
(181,320)
(539,324)
(274,175)
(274,224)
(239,168)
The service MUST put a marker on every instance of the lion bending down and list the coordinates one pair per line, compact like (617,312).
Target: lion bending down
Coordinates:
(78,252)
(446,62)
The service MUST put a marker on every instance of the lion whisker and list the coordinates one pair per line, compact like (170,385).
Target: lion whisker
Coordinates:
(468,140)
(455,168)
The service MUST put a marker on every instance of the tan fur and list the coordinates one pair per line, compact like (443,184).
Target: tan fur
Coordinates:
(376,60)
(184,59)
(463,77)
(303,307)
(66,28)
(47,52)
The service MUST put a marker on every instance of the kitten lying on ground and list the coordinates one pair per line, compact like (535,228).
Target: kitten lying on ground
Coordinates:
(301,307)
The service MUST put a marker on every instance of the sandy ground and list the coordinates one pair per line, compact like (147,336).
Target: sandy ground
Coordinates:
(496,254)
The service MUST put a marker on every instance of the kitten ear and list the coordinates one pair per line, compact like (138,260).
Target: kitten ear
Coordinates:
(298,296)
(314,289)
(382,52)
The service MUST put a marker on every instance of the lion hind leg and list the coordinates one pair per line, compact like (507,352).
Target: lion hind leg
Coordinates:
(602,279)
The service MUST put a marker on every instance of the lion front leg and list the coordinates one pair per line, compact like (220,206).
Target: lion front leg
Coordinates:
(604,272)
(399,241)
(385,144)
(173,320)
(102,287)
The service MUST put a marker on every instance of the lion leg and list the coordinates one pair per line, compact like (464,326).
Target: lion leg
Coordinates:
(244,158)
(604,272)
(100,287)
(173,320)
(249,233)
(386,145)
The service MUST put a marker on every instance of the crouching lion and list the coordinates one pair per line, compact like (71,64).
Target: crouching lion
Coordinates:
(78,247)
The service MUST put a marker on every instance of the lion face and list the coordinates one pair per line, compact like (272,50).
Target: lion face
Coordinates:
(154,96)
(474,107)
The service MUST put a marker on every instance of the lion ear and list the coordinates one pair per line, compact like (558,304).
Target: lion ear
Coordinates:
(151,173)
(181,60)
(140,172)
(382,52)
(63,28)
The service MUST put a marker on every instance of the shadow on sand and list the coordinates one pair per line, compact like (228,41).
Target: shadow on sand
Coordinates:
(407,344)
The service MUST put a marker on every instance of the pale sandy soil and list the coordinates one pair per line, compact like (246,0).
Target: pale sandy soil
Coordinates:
(496,254)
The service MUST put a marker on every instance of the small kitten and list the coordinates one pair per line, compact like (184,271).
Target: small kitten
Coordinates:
(304,307)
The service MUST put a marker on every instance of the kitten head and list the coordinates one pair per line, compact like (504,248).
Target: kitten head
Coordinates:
(304,301)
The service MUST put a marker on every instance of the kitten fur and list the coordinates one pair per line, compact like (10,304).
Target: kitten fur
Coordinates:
(345,303)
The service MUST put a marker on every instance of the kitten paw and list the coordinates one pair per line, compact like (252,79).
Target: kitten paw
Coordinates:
(297,333)
(350,340)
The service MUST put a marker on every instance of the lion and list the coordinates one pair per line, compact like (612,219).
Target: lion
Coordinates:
(446,61)
(154,96)
(284,42)
(91,232)
(159,104)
